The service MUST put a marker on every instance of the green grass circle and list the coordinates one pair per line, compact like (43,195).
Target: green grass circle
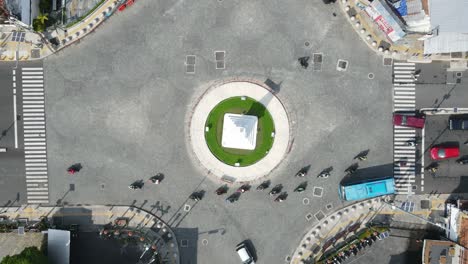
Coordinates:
(265,128)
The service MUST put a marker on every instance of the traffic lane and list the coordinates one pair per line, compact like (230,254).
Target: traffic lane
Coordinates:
(12,182)
(441,95)
(449,175)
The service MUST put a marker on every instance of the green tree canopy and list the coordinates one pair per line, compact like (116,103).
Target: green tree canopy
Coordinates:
(30,255)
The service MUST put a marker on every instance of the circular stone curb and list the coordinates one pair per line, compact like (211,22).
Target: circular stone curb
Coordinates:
(233,89)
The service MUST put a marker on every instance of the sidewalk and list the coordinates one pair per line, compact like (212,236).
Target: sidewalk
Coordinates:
(335,227)
(140,223)
(31,45)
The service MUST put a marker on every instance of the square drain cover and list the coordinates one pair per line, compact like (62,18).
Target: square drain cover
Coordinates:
(190,69)
(319,215)
(318,191)
(190,60)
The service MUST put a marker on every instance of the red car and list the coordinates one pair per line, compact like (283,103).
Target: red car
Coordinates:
(408,121)
(440,152)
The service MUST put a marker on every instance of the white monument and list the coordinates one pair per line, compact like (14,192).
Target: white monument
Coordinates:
(239,131)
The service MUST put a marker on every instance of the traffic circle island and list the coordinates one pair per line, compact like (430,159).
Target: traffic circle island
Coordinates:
(239,130)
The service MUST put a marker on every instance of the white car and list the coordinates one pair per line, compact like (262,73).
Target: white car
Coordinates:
(244,254)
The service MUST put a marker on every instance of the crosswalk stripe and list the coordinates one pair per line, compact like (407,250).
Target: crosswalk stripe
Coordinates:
(32,68)
(36,118)
(36,180)
(38,189)
(30,160)
(32,85)
(34,139)
(34,110)
(32,81)
(38,201)
(28,164)
(32,72)
(27,122)
(28,143)
(33,114)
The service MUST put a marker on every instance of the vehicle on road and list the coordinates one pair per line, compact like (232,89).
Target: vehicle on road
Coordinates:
(458,122)
(368,189)
(244,254)
(463,161)
(408,121)
(444,152)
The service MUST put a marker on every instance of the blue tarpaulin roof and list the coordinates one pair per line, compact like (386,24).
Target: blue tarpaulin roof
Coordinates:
(401,7)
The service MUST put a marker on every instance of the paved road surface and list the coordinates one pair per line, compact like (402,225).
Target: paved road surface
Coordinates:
(118,103)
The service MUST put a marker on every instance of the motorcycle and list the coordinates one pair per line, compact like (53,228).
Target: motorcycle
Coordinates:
(301,173)
(362,158)
(463,161)
(299,189)
(221,190)
(351,170)
(263,185)
(195,196)
(279,199)
(134,187)
(71,171)
(324,175)
(243,188)
(155,181)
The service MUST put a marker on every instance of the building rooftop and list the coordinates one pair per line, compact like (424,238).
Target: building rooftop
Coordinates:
(441,252)
(449,16)
(239,131)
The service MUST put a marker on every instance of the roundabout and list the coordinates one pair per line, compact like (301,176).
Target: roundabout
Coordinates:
(239,129)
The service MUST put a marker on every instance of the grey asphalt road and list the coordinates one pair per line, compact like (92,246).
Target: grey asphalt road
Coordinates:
(12,181)
(451,177)
(432,90)
(117,103)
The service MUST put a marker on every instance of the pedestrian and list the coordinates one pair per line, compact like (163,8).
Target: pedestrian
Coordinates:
(304,61)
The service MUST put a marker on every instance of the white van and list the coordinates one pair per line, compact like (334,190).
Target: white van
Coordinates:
(244,254)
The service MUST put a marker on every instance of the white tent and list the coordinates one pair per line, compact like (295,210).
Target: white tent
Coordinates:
(239,131)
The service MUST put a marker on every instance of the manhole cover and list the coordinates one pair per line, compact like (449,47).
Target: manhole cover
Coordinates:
(425,204)
(190,68)
(319,215)
(184,242)
(329,206)
(342,65)
(308,216)
(205,242)
(219,55)
(305,201)
(190,60)
(370,76)
(318,191)
(220,65)
(287,259)
(35,53)
(318,57)
(72,187)
(387,61)
(307,44)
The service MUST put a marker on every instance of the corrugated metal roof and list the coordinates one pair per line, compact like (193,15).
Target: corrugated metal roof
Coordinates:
(446,42)
(449,15)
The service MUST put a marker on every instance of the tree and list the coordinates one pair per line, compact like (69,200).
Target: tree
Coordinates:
(42,17)
(30,255)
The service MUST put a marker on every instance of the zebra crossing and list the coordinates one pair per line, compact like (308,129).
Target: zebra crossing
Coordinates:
(35,149)
(404,101)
